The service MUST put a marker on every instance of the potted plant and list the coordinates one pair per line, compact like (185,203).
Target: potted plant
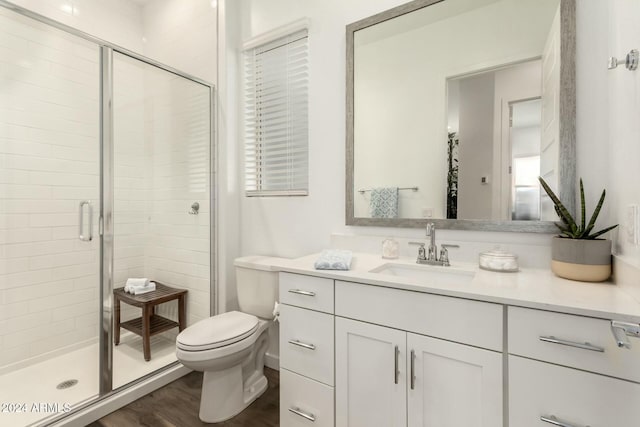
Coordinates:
(577,253)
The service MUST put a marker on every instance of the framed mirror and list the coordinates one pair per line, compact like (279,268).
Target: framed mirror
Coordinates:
(454,108)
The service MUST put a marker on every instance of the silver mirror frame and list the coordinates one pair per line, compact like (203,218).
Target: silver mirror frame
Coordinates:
(567,131)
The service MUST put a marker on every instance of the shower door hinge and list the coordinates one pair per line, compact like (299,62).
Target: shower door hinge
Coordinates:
(100,226)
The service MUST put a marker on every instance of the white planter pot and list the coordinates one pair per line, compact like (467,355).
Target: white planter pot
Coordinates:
(582,260)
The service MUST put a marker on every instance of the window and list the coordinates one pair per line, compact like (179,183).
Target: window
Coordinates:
(276,123)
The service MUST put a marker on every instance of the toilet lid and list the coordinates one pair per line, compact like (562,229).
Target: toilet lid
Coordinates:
(217,331)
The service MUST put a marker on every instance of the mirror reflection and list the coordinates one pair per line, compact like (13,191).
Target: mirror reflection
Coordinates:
(456,111)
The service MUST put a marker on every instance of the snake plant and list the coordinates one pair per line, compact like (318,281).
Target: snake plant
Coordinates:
(568,227)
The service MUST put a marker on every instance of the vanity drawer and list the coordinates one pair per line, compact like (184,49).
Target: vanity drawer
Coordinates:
(304,402)
(307,343)
(530,333)
(577,398)
(454,319)
(315,293)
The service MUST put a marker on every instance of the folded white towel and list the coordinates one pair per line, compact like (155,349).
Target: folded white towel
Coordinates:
(334,259)
(143,289)
(131,283)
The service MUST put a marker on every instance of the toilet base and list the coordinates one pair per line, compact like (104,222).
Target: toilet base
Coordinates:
(224,395)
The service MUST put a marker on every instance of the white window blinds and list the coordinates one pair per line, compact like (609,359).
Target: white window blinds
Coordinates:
(276,123)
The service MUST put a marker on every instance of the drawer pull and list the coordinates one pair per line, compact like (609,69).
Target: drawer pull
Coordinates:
(303,414)
(302,344)
(556,422)
(301,292)
(583,346)
(396,372)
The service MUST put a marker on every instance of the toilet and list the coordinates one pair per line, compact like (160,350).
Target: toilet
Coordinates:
(230,347)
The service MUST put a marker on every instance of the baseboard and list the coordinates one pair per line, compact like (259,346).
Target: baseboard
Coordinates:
(272,361)
(122,398)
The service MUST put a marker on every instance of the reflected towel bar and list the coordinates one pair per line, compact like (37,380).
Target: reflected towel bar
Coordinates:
(362,190)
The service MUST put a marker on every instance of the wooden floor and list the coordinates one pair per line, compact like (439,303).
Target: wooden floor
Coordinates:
(177,405)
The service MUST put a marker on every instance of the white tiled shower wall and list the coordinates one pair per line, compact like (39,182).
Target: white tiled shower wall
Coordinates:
(48,162)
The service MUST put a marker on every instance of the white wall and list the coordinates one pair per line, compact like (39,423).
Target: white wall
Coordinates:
(117,21)
(623,138)
(182,34)
(297,226)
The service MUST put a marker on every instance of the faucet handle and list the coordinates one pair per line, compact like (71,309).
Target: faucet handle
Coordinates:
(422,255)
(444,253)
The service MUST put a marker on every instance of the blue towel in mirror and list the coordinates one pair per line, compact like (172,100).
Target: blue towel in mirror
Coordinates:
(334,259)
(384,202)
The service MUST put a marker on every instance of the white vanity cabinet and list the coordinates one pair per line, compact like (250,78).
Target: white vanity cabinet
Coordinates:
(391,377)
(556,367)
(306,351)
(363,355)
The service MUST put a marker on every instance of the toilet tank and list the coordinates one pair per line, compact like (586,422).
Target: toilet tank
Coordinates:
(257,291)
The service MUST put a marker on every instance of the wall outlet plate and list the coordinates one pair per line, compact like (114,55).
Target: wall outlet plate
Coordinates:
(427,212)
(632,225)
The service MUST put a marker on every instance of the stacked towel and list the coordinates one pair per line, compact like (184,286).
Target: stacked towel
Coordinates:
(334,259)
(139,286)
(384,202)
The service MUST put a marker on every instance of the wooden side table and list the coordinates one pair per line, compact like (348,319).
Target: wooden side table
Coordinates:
(149,323)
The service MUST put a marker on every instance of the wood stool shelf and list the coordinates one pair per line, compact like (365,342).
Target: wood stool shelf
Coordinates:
(149,323)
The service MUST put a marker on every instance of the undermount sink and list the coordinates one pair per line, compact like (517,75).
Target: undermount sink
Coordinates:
(428,274)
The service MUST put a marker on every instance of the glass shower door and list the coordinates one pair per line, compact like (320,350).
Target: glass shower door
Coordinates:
(49,205)
(161,204)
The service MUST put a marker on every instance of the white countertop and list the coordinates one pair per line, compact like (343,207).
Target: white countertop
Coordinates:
(533,288)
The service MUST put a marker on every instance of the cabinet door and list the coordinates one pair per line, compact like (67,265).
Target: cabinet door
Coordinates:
(371,375)
(453,384)
(540,390)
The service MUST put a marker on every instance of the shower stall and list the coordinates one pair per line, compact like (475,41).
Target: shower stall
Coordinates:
(105,174)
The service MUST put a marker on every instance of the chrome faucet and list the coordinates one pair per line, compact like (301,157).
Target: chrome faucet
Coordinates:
(429,255)
(432,250)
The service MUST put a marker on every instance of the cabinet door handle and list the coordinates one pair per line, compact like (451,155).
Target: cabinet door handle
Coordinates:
(301,292)
(305,415)
(302,344)
(583,346)
(396,373)
(551,419)
(413,369)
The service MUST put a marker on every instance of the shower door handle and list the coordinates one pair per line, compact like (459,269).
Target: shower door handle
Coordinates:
(89,236)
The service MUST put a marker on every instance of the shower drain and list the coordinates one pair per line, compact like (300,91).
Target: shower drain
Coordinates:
(66,384)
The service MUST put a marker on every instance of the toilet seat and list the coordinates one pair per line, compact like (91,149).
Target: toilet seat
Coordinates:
(217,331)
